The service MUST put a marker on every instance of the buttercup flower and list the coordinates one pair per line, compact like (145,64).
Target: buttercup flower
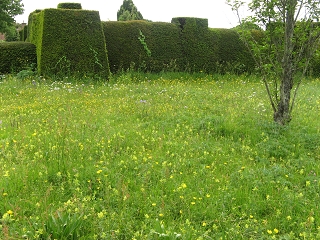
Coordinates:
(10,212)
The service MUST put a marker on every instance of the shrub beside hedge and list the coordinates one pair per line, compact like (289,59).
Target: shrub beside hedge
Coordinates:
(16,56)
(125,50)
(69,42)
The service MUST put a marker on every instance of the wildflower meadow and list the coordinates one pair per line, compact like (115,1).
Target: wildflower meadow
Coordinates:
(156,156)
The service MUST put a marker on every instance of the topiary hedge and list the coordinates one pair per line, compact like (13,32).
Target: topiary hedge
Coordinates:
(199,46)
(129,43)
(72,41)
(233,55)
(69,6)
(35,31)
(23,33)
(186,44)
(16,56)
(69,42)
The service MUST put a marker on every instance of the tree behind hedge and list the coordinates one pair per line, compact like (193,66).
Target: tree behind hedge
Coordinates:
(11,33)
(9,9)
(128,11)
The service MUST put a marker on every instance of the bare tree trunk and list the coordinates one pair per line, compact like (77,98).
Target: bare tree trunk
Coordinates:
(283,114)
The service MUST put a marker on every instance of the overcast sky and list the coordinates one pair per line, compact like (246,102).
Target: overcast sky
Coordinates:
(217,12)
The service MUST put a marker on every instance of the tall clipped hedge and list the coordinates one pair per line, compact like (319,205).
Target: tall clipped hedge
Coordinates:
(199,46)
(15,56)
(186,44)
(35,31)
(69,42)
(23,33)
(233,54)
(125,50)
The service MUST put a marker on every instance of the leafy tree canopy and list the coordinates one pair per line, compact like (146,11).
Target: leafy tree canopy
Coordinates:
(291,37)
(128,11)
(8,10)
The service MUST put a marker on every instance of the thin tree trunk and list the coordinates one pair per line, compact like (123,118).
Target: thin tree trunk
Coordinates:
(283,115)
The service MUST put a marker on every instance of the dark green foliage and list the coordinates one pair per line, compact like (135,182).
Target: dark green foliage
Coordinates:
(315,65)
(69,6)
(23,33)
(199,46)
(233,54)
(69,42)
(186,44)
(16,56)
(199,23)
(128,11)
(35,24)
(125,50)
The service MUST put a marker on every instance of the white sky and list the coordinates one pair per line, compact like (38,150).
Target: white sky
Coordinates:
(217,12)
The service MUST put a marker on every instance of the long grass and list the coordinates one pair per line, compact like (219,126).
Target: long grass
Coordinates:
(171,156)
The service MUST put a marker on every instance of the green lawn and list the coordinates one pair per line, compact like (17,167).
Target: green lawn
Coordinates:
(171,156)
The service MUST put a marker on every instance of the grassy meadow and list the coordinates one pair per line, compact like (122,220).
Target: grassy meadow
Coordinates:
(167,156)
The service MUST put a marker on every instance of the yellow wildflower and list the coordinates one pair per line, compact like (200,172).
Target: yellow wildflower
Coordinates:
(183,185)
(10,212)
(100,215)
